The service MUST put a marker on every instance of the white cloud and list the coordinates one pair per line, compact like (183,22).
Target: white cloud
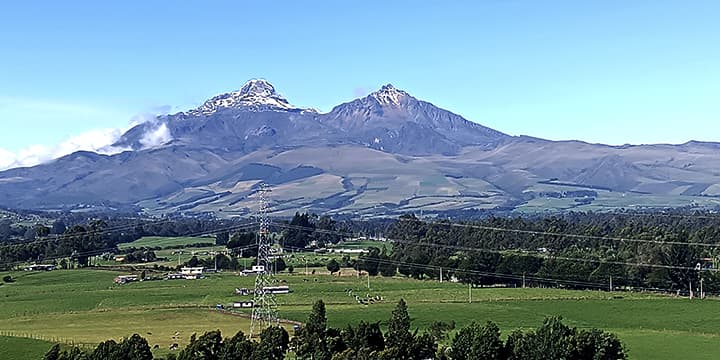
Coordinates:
(156,137)
(99,141)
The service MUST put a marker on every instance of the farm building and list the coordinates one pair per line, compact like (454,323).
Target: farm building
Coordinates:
(124,279)
(256,269)
(242,291)
(243,304)
(39,267)
(277,289)
(349,251)
(192,270)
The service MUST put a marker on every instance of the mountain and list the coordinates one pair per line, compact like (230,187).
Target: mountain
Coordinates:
(382,154)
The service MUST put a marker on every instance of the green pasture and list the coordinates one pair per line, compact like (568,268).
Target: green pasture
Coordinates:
(22,348)
(166,242)
(84,306)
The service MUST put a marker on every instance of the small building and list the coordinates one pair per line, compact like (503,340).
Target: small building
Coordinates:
(39,267)
(256,269)
(244,304)
(350,251)
(192,270)
(277,289)
(120,258)
(124,279)
(242,291)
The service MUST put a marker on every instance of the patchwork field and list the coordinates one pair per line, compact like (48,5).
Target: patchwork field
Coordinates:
(84,306)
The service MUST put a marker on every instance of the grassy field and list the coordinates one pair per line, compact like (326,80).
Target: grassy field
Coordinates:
(85,306)
(166,242)
(22,348)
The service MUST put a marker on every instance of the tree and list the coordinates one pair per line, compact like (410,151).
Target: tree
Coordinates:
(369,262)
(107,350)
(398,340)
(53,353)
(311,340)
(135,348)
(387,268)
(366,340)
(274,342)
(193,262)
(209,346)
(222,238)
(475,264)
(279,264)
(58,228)
(73,354)
(478,342)
(439,329)
(243,243)
(327,235)
(238,347)
(333,266)
(299,234)
(597,345)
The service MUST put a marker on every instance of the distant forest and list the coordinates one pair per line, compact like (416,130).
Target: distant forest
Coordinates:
(659,251)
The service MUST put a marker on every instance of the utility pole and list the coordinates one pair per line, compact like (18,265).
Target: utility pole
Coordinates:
(470,293)
(702,294)
(690,288)
(441,276)
(611,287)
(523,280)
(368,280)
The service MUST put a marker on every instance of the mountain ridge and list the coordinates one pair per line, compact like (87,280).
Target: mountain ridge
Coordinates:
(382,154)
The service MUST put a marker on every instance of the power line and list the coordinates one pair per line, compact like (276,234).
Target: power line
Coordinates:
(464,248)
(573,236)
(111,230)
(91,232)
(230,228)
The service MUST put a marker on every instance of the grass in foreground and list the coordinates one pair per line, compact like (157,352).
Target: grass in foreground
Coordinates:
(85,306)
(14,348)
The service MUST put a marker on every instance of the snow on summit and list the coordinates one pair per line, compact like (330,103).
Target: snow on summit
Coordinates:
(388,95)
(254,95)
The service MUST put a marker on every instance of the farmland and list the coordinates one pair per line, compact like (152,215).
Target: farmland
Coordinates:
(84,306)
(167,242)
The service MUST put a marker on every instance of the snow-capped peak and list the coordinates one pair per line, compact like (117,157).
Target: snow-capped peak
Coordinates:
(257,87)
(388,95)
(254,95)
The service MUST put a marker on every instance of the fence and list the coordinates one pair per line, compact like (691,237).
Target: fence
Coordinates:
(51,339)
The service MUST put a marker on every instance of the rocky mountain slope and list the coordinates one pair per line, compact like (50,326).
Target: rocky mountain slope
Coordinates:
(383,154)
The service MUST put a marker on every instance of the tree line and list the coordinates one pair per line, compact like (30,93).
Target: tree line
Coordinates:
(315,340)
(663,253)
(92,237)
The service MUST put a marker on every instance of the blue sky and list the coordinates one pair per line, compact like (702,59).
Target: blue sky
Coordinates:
(601,71)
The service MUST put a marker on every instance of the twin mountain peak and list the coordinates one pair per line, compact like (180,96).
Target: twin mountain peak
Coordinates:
(260,95)
(257,116)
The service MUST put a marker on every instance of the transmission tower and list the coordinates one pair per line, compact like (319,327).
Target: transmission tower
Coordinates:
(265,312)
